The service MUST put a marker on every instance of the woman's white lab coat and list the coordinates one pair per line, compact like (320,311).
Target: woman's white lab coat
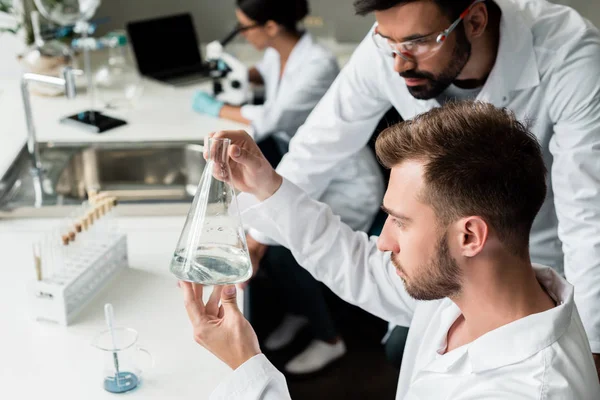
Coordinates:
(356,188)
(308,74)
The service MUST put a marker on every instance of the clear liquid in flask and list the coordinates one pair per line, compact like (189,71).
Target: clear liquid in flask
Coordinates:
(214,265)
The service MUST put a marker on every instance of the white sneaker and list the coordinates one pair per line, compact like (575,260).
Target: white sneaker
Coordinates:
(317,356)
(285,332)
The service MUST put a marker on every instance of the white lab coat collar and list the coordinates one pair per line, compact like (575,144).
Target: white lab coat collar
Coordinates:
(296,58)
(514,342)
(516,66)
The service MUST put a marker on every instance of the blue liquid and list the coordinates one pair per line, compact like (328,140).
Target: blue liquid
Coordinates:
(127,381)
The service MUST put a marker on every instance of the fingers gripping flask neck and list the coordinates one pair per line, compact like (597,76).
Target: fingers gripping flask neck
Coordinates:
(212,248)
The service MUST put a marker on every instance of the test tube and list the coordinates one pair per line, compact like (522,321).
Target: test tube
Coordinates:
(46,265)
(70,245)
(91,218)
(92,193)
(56,246)
(81,226)
(74,236)
(37,259)
(51,261)
(85,223)
(93,224)
(103,219)
(110,216)
(59,242)
(97,212)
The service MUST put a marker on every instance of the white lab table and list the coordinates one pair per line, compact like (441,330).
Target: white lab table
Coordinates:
(46,361)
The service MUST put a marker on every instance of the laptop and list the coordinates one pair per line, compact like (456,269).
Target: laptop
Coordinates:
(166,49)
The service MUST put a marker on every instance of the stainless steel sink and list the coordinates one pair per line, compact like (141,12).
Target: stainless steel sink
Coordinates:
(134,172)
(168,172)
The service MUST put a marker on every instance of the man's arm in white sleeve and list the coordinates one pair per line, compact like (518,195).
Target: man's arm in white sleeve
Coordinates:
(340,125)
(348,262)
(575,146)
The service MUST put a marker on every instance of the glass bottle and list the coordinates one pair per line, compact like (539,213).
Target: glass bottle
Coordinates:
(118,83)
(212,248)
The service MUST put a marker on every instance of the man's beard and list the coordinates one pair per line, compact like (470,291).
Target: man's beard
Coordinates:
(435,280)
(436,85)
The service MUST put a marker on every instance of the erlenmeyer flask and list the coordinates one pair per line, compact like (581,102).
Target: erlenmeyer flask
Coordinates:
(212,249)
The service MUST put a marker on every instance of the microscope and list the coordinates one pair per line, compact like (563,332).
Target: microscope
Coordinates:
(229,75)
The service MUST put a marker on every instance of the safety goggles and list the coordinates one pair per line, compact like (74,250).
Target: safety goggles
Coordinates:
(422,48)
(239,28)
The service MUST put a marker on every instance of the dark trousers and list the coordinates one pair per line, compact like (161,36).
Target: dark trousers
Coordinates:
(273,150)
(301,293)
(298,290)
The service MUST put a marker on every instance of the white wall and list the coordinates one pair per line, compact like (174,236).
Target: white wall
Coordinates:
(590,9)
(215,18)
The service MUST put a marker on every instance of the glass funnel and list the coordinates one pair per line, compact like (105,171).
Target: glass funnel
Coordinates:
(212,247)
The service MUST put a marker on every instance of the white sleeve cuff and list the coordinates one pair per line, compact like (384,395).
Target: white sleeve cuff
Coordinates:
(259,237)
(253,213)
(246,203)
(249,380)
(251,112)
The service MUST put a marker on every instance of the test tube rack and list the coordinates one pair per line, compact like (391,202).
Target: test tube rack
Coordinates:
(61,295)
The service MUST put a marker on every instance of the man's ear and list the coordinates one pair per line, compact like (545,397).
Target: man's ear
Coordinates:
(476,21)
(472,235)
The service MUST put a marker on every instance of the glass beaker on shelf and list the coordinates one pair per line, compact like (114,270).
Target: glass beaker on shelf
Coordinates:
(212,248)
(118,84)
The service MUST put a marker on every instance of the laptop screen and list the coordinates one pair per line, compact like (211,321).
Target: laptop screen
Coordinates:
(165,45)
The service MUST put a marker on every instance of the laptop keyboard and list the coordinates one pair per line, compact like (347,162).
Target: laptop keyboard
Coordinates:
(188,79)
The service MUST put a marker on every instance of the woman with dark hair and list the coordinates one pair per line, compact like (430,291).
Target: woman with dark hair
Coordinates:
(296,73)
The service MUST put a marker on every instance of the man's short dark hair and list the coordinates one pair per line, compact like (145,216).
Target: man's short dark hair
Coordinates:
(451,8)
(479,160)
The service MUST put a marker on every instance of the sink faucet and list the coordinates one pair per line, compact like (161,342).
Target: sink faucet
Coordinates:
(67,81)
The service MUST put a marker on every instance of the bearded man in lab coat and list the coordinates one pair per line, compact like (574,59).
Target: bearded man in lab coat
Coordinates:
(539,59)
(467,181)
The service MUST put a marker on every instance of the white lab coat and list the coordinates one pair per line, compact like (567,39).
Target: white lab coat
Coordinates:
(548,70)
(356,185)
(542,356)
(309,72)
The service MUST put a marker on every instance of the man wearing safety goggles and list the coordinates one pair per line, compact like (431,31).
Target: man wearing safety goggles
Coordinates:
(540,60)
(416,49)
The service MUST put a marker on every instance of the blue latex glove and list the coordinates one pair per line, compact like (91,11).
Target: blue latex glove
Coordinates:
(204,103)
